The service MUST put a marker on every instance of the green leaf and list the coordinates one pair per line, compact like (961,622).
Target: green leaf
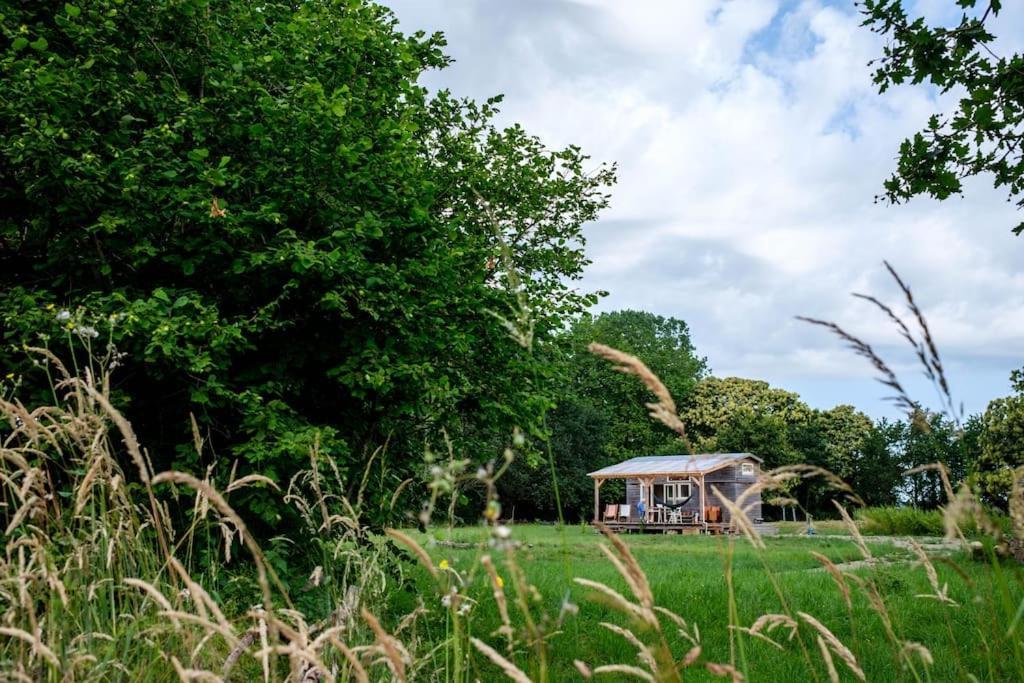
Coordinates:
(71,10)
(39,44)
(19,43)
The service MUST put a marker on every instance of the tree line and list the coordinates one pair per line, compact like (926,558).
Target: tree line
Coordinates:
(600,419)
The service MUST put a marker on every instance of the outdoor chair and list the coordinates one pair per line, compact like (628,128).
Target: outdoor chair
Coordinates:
(611,513)
(623,513)
(686,517)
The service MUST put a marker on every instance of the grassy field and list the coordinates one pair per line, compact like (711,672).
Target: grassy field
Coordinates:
(688,576)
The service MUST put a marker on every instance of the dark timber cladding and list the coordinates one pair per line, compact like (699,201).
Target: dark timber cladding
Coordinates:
(681,489)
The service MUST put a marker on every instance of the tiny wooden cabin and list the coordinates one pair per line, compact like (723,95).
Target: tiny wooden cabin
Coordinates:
(679,491)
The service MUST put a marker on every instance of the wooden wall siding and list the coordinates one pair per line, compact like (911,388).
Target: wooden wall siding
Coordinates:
(632,496)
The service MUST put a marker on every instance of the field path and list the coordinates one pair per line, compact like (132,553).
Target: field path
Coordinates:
(932,545)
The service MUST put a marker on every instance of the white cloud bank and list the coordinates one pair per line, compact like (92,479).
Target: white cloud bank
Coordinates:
(751,143)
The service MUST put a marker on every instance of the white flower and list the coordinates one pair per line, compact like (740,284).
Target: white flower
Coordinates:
(481,473)
(64,316)
(502,531)
(86,331)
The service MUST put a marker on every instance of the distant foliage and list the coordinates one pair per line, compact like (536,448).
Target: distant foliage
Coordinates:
(1002,445)
(600,416)
(983,134)
(281,230)
(901,521)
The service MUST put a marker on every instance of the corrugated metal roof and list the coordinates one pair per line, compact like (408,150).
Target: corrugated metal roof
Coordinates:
(670,464)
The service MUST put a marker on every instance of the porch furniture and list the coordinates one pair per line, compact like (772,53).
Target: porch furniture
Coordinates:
(675,517)
(623,513)
(656,515)
(686,517)
(611,513)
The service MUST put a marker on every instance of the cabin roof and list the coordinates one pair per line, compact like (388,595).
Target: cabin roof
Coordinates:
(655,465)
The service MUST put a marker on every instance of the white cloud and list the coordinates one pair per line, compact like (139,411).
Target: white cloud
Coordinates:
(751,143)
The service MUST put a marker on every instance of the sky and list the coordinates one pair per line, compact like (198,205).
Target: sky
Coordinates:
(751,144)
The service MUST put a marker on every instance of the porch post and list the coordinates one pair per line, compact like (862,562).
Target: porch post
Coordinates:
(643,498)
(597,499)
(703,511)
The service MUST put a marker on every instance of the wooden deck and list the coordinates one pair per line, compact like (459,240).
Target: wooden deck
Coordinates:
(635,527)
(714,528)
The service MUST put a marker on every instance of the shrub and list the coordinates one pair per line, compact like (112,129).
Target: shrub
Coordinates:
(289,230)
(901,521)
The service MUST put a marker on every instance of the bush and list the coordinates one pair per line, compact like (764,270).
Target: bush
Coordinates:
(901,521)
(288,229)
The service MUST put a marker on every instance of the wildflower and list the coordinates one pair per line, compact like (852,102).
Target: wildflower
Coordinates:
(481,473)
(502,531)
(50,307)
(10,375)
(464,608)
(86,331)
(500,581)
(446,599)
(64,316)
(443,564)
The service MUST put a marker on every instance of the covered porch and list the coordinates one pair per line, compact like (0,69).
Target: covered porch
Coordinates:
(669,494)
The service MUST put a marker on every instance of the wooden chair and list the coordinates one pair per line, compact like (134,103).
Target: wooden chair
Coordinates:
(624,513)
(686,517)
(611,513)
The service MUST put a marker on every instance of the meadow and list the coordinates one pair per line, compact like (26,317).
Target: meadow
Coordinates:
(690,576)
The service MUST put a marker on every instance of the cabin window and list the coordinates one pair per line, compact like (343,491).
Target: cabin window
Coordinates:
(676,491)
(747,469)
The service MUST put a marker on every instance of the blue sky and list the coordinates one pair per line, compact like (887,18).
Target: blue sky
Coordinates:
(751,144)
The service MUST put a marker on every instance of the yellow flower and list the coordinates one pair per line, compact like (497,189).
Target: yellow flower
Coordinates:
(10,375)
(443,564)
(501,581)
(50,307)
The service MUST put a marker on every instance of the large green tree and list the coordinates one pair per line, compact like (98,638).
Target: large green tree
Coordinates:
(721,406)
(601,416)
(985,133)
(663,344)
(878,471)
(281,230)
(1001,451)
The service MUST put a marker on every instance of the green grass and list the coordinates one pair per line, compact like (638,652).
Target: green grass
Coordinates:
(687,576)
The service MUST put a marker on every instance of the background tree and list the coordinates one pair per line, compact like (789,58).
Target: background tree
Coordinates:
(878,472)
(663,344)
(284,234)
(600,418)
(985,133)
(1001,445)
(716,402)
